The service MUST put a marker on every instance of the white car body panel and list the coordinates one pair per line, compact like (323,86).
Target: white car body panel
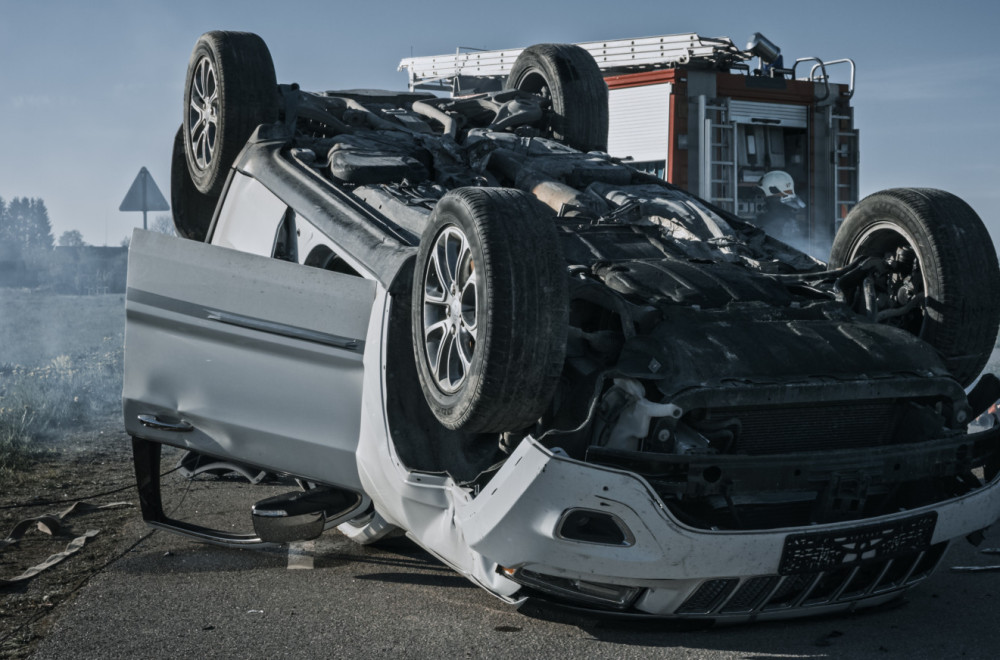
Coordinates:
(252,232)
(189,306)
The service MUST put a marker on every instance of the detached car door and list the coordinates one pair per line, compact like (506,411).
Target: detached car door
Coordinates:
(244,357)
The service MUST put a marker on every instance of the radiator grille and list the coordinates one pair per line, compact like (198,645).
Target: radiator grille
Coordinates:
(816,427)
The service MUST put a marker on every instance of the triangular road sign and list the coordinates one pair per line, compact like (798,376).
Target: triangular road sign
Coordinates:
(144,195)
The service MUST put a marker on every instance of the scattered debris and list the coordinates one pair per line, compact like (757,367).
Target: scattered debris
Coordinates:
(980,569)
(52,524)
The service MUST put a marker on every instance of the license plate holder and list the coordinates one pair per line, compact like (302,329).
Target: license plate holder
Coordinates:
(821,551)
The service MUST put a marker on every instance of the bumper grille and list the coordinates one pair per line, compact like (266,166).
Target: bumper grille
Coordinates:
(708,596)
(770,593)
(816,427)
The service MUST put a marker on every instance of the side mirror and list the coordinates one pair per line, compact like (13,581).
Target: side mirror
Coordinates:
(300,516)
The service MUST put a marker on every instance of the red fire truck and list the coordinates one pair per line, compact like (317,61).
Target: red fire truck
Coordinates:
(711,118)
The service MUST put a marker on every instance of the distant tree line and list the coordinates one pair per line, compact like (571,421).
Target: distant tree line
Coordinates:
(29,258)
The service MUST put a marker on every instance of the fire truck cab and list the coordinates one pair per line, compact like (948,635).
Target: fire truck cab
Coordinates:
(712,119)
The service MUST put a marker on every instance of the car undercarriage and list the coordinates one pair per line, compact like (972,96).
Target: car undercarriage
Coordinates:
(781,431)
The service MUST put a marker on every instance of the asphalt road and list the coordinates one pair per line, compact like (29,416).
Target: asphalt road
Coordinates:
(170,597)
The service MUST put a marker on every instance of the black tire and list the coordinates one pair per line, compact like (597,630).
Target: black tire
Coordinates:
(955,259)
(192,210)
(509,323)
(571,79)
(230,90)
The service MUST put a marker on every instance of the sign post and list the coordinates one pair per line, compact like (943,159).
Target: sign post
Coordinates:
(144,196)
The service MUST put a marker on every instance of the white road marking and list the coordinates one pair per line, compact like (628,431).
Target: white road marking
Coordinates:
(300,555)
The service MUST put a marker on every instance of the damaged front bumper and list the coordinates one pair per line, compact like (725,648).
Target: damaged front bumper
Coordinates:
(599,537)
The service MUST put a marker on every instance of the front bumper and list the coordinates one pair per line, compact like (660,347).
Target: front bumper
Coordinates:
(680,571)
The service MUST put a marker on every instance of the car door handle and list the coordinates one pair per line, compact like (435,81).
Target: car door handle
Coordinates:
(175,425)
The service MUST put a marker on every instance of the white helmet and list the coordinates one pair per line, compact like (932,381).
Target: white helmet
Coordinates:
(777,182)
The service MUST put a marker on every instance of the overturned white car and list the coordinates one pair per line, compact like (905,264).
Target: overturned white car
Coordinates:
(565,378)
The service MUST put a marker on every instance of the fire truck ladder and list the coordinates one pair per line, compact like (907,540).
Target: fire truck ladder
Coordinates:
(845,164)
(442,72)
(718,162)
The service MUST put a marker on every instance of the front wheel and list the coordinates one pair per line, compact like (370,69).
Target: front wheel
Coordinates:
(191,209)
(939,278)
(489,310)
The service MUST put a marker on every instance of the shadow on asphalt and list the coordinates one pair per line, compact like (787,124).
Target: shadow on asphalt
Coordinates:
(453,580)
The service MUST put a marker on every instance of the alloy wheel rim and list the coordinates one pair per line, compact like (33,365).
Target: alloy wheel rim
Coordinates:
(450,310)
(203,113)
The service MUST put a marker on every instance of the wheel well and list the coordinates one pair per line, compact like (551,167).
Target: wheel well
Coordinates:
(421,441)
(323,257)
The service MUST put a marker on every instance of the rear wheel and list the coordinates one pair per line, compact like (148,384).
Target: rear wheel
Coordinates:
(192,210)
(230,90)
(939,279)
(489,310)
(569,77)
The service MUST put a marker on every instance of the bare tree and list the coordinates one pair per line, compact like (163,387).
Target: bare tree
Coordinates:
(71,238)
(164,224)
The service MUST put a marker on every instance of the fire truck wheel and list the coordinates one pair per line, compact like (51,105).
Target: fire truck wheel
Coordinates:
(230,90)
(192,210)
(941,280)
(569,77)
(489,313)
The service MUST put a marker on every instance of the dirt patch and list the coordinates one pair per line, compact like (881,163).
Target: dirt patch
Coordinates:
(61,441)
(92,465)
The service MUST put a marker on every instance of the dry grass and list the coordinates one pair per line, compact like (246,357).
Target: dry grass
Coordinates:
(60,368)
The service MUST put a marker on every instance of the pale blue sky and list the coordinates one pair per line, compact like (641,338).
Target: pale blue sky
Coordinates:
(91,92)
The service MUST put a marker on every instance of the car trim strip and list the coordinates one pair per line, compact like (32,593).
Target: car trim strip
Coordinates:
(239,320)
(284,330)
